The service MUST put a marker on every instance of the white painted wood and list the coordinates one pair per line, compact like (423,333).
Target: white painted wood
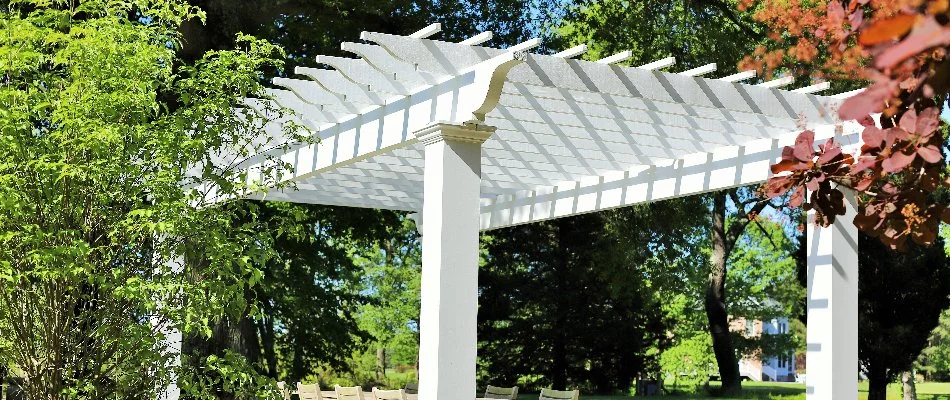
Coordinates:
(172,342)
(616,58)
(848,94)
(525,46)
(379,58)
(813,88)
(478,39)
(450,260)
(725,167)
(739,76)
(430,30)
(572,52)
(359,71)
(701,70)
(780,82)
(659,64)
(832,301)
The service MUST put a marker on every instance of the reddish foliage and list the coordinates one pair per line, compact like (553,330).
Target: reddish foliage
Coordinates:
(900,45)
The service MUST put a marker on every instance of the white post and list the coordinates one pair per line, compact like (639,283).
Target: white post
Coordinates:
(832,338)
(173,341)
(450,260)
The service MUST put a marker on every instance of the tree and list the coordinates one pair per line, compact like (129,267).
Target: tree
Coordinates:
(307,28)
(696,33)
(899,46)
(543,299)
(723,241)
(302,315)
(764,282)
(934,360)
(392,280)
(580,299)
(117,164)
(901,296)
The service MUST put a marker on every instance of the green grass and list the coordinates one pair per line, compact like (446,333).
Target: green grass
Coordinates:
(785,391)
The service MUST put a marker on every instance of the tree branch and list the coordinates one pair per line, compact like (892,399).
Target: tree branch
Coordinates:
(737,227)
(729,13)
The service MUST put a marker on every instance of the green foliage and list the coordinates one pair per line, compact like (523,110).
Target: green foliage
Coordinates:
(307,28)
(392,278)
(578,300)
(689,362)
(901,298)
(763,283)
(934,360)
(694,32)
(116,160)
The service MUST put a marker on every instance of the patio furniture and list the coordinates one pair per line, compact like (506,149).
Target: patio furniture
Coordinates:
(412,388)
(398,394)
(348,392)
(284,391)
(309,392)
(548,394)
(495,392)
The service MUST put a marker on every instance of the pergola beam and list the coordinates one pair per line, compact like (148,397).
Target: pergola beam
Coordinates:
(724,168)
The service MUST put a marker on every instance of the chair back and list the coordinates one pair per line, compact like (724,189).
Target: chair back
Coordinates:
(398,394)
(284,390)
(412,388)
(548,394)
(348,393)
(495,392)
(309,392)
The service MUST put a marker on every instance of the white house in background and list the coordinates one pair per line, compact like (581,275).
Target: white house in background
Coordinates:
(771,369)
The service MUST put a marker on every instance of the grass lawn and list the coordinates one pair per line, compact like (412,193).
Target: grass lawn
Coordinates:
(787,391)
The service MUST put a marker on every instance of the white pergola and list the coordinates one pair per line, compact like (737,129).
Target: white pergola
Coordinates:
(475,138)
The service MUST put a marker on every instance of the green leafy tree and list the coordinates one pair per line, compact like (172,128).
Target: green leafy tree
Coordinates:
(117,161)
(934,360)
(391,279)
(574,297)
(901,296)
(292,327)
(696,33)
(302,315)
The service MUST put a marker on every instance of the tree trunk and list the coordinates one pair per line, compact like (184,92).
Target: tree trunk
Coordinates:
(877,384)
(715,300)
(380,364)
(910,387)
(269,350)
(559,345)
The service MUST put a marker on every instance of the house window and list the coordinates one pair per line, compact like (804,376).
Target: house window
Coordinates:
(749,327)
(785,361)
(781,327)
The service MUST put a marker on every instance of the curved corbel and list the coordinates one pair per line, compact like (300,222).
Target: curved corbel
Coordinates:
(482,95)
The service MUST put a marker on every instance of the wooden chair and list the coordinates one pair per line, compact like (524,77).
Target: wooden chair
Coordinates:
(309,392)
(284,390)
(412,388)
(548,394)
(495,392)
(398,394)
(348,393)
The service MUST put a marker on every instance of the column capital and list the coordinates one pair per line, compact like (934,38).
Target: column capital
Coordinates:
(447,131)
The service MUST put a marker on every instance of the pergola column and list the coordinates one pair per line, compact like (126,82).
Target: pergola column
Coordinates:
(832,338)
(450,210)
